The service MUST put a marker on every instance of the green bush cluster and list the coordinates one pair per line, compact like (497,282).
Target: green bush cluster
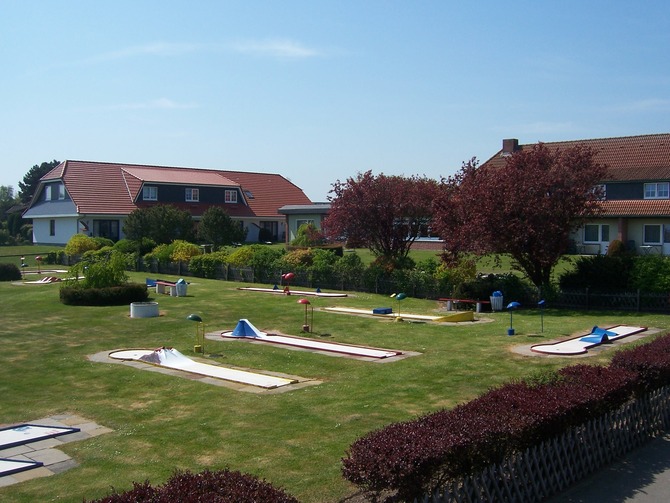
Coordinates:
(108,296)
(9,272)
(208,264)
(621,271)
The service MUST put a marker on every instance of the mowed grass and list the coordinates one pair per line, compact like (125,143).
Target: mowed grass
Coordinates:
(294,439)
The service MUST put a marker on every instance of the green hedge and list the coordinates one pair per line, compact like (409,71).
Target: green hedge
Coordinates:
(110,296)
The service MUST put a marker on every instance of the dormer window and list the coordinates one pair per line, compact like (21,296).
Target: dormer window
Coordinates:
(150,193)
(660,190)
(231,196)
(47,193)
(192,195)
(61,191)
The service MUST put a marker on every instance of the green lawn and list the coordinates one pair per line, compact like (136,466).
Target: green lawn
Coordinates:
(294,439)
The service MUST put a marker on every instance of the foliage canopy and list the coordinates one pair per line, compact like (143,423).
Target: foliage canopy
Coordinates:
(384,213)
(528,208)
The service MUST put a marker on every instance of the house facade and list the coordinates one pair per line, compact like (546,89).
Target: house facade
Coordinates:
(95,198)
(636,192)
(299,214)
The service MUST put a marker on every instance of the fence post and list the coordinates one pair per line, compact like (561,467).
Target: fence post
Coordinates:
(638,301)
(587,298)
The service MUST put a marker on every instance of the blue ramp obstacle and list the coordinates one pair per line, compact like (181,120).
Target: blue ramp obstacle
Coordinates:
(599,336)
(244,328)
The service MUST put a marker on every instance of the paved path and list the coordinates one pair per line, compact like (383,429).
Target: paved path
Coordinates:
(46,451)
(641,477)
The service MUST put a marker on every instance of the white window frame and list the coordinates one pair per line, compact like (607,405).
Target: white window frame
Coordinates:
(61,192)
(660,234)
(192,195)
(601,238)
(230,196)
(150,193)
(47,192)
(658,190)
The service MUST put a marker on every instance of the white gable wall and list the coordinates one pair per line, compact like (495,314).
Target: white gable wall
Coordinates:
(64,228)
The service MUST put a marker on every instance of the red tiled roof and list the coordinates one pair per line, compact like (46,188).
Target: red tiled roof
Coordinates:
(112,188)
(645,157)
(180,176)
(636,208)
(268,192)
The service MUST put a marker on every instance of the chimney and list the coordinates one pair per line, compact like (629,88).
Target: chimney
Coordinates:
(510,146)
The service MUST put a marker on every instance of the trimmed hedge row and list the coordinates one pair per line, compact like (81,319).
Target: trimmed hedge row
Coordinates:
(110,296)
(218,486)
(416,457)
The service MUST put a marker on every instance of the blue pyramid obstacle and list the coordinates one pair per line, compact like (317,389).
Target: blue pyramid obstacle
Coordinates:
(244,328)
(598,336)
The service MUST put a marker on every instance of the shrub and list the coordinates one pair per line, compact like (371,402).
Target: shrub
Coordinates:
(102,242)
(349,271)
(160,253)
(651,273)
(415,457)
(263,259)
(109,296)
(308,235)
(651,361)
(322,270)
(511,285)
(80,243)
(600,272)
(207,265)
(212,486)
(9,272)
(299,259)
(99,271)
(56,257)
(126,246)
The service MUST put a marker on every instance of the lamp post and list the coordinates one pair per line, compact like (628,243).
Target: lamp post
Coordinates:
(287,278)
(511,306)
(541,304)
(199,333)
(305,326)
(399,296)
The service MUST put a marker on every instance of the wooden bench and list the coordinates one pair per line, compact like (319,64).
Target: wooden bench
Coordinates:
(452,301)
(166,287)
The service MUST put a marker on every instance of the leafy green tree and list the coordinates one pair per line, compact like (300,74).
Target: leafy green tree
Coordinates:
(31,180)
(163,223)
(217,228)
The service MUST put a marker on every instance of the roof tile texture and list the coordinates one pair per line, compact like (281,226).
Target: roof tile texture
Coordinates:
(111,188)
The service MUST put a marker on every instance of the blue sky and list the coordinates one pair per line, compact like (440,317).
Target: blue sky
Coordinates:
(322,90)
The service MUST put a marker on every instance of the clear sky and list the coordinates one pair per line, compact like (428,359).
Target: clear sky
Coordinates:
(321,90)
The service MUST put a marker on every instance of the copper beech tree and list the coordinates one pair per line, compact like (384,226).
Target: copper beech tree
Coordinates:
(383,213)
(527,208)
